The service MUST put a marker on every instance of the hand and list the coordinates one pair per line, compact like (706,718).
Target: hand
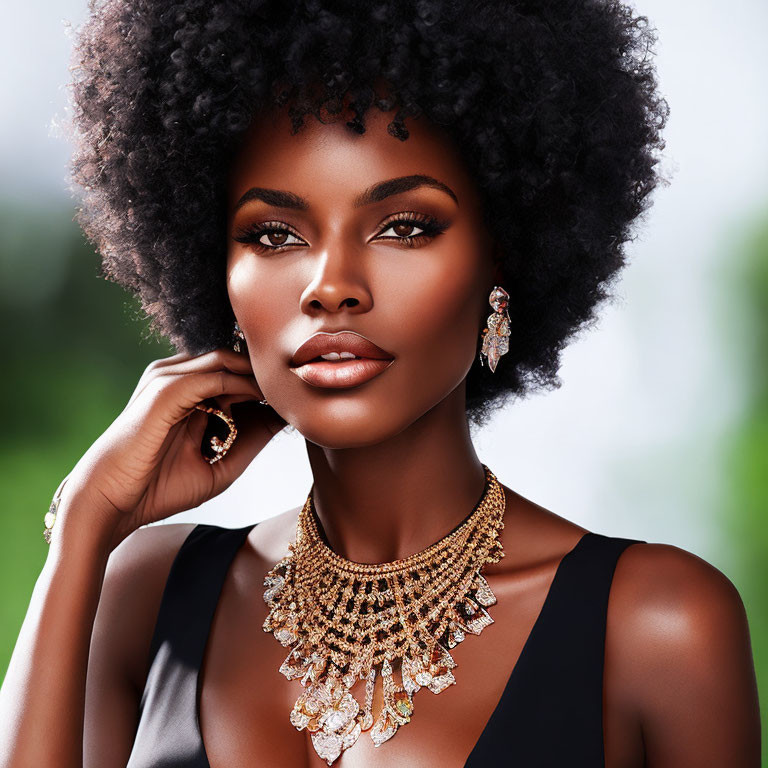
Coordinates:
(148,464)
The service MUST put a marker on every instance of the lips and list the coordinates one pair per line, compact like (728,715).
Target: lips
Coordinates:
(370,360)
(347,341)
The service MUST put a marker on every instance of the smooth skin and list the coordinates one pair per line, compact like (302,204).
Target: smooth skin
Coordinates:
(394,470)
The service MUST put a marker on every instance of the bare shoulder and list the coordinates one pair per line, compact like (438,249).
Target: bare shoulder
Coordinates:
(662,594)
(678,656)
(143,559)
(135,578)
(150,545)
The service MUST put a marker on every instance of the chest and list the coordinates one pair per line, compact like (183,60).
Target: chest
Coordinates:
(243,701)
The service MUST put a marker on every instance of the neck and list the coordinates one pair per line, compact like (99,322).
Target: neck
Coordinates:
(387,501)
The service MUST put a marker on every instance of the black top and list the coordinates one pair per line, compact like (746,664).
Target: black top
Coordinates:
(550,713)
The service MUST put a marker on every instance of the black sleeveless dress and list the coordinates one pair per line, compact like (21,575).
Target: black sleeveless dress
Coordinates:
(549,715)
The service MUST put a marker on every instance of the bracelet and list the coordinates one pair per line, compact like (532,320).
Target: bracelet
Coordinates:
(50,515)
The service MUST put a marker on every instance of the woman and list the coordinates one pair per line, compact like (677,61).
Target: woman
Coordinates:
(375,223)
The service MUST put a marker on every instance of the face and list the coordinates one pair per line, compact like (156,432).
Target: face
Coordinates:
(316,243)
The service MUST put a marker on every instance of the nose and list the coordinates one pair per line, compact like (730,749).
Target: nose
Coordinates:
(338,282)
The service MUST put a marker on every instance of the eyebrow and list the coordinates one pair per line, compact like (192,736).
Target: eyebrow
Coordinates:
(374,194)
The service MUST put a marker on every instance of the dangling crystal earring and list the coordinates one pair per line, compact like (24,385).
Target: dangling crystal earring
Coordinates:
(238,336)
(496,335)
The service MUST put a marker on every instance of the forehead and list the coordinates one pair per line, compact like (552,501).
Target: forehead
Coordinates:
(326,161)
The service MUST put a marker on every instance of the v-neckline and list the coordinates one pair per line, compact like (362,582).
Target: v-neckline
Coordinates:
(496,709)
(528,641)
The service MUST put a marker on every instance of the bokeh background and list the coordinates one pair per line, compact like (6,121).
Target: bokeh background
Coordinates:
(659,432)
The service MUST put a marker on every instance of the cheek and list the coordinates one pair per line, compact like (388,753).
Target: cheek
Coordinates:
(261,302)
(438,309)
(428,308)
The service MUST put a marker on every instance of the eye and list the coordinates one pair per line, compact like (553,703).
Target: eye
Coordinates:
(405,229)
(408,228)
(269,236)
(412,228)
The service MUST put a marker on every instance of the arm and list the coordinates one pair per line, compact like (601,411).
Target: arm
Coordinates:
(105,681)
(41,699)
(678,645)
(146,466)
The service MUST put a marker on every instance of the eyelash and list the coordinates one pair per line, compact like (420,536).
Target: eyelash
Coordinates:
(431,227)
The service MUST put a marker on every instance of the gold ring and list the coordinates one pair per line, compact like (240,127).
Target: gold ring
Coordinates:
(217,446)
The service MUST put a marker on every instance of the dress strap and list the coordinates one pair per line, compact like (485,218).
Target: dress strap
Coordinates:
(168,728)
(193,588)
(552,705)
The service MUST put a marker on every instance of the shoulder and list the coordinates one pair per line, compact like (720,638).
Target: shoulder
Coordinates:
(668,596)
(144,557)
(134,580)
(678,654)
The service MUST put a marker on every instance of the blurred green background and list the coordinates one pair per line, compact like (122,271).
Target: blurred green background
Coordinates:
(745,454)
(660,431)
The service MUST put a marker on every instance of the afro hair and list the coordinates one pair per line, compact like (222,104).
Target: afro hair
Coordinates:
(553,103)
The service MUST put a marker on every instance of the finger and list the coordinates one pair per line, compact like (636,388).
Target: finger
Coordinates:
(217,359)
(173,396)
(225,402)
(175,358)
(153,367)
(196,424)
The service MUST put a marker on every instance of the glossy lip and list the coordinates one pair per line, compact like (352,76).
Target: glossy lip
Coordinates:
(323,342)
(372,361)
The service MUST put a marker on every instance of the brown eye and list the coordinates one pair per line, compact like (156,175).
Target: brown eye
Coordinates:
(402,229)
(405,230)
(276,237)
(412,229)
(270,236)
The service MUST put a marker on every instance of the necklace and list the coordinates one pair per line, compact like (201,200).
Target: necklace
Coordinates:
(346,621)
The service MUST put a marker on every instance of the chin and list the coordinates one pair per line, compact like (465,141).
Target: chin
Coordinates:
(345,423)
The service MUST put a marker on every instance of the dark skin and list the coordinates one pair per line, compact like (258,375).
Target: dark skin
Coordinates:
(347,268)
(679,685)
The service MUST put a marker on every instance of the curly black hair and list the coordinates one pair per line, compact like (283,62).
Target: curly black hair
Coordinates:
(554,104)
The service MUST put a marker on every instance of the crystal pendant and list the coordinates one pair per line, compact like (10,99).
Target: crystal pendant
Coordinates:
(499,298)
(366,721)
(478,622)
(409,671)
(327,745)
(483,593)
(294,665)
(274,584)
(384,728)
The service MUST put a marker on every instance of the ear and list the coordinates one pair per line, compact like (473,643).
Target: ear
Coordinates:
(498,275)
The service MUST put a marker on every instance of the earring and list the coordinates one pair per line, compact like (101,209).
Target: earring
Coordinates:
(496,335)
(238,336)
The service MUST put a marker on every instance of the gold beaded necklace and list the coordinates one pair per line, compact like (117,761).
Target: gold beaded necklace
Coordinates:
(345,621)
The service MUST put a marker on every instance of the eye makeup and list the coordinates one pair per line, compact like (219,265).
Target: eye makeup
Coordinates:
(429,227)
